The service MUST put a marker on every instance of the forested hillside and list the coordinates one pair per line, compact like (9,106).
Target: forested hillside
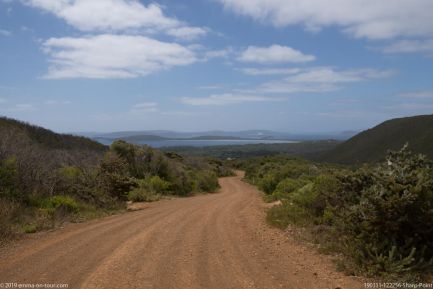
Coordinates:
(371,145)
(46,138)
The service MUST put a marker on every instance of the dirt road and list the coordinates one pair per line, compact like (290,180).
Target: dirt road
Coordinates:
(212,241)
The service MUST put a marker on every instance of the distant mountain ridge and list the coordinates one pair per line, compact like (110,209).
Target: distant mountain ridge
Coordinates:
(139,139)
(160,135)
(371,145)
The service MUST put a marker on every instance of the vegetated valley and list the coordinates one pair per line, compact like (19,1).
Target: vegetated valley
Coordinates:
(370,208)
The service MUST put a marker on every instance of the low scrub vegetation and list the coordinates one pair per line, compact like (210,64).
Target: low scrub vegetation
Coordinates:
(307,149)
(378,217)
(46,178)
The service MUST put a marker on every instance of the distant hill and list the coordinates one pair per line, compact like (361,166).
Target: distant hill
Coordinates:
(371,145)
(215,137)
(142,139)
(46,138)
(161,135)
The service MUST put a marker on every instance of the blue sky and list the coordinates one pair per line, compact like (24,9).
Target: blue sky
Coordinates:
(287,65)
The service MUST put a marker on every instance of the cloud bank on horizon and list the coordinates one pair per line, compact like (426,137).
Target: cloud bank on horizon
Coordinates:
(285,60)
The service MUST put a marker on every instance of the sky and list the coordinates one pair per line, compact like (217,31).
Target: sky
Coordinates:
(196,65)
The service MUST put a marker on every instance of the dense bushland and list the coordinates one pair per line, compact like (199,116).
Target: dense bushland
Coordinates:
(47,178)
(379,217)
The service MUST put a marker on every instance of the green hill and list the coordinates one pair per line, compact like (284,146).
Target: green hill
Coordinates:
(46,138)
(371,145)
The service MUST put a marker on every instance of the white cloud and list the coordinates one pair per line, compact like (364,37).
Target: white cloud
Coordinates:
(417,94)
(410,46)
(291,87)
(4,32)
(112,56)
(187,33)
(103,15)
(322,79)
(116,15)
(270,71)
(225,99)
(361,18)
(145,107)
(274,54)
(49,5)
(221,53)
(330,75)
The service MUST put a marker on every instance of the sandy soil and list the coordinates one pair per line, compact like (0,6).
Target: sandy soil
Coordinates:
(216,241)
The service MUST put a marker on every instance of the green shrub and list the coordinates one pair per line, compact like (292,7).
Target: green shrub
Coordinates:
(64,202)
(149,189)
(302,207)
(206,181)
(268,183)
(381,215)
(268,172)
(157,185)
(221,168)
(181,184)
(30,228)
(288,186)
(387,227)
(296,169)
(8,212)
(125,150)
(9,178)
(70,173)
(288,213)
(305,197)
(143,195)
(327,184)
(113,174)
(224,171)
(57,204)
(275,196)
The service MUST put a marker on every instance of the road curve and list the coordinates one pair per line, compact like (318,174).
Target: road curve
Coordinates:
(210,241)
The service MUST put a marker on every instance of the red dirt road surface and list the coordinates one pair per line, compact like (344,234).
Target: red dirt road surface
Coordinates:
(216,241)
